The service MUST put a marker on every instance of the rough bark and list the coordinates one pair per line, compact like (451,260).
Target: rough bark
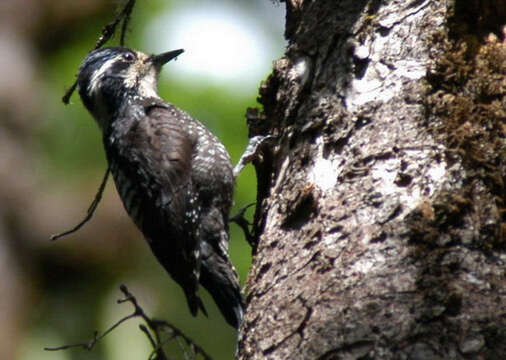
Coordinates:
(380,223)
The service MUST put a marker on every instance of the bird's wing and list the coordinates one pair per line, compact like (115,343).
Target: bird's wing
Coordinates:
(155,154)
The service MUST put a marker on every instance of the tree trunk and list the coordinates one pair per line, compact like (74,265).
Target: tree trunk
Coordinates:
(381,215)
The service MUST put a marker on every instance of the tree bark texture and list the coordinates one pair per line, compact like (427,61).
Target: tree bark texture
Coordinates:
(380,224)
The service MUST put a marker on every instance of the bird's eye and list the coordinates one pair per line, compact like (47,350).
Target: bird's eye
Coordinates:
(129,57)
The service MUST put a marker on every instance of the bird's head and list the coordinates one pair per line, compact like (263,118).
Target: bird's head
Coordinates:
(109,76)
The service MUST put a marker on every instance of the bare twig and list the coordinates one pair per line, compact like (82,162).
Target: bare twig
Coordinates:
(154,331)
(127,12)
(96,338)
(252,152)
(158,326)
(69,92)
(107,32)
(91,209)
(109,29)
(244,224)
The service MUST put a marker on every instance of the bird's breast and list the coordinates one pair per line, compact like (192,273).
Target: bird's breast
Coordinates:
(128,192)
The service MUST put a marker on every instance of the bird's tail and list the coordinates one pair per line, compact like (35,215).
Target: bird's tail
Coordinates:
(220,278)
(194,302)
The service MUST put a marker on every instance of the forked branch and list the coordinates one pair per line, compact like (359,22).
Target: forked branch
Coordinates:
(107,32)
(159,332)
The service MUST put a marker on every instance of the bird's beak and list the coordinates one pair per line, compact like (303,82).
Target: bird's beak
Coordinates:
(163,58)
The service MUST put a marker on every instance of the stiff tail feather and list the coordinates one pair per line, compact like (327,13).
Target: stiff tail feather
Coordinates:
(219,277)
(195,303)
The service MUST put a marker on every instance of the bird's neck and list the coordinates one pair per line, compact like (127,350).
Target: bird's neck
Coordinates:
(147,87)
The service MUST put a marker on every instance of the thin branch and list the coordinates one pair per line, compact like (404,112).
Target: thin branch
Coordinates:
(107,32)
(91,209)
(153,331)
(96,338)
(244,224)
(176,333)
(127,11)
(69,92)
(186,354)
(157,353)
(145,330)
(252,152)
(161,325)
(109,29)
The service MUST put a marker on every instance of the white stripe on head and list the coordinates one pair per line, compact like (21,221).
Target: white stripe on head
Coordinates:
(140,74)
(97,76)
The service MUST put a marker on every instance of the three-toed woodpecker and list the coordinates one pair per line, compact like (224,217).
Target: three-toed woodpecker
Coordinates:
(173,175)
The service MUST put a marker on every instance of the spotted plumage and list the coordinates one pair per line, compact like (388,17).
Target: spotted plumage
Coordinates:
(173,175)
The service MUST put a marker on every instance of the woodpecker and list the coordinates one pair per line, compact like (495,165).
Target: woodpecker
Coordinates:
(173,175)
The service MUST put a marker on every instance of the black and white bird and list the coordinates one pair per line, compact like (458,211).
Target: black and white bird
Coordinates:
(173,175)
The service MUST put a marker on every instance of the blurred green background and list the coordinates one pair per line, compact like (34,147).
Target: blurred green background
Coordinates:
(52,162)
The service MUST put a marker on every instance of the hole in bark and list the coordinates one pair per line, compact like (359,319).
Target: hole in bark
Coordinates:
(403,179)
(301,214)
(453,304)
(263,270)
(310,244)
(380,238)
(335,229)
(383,31)
(361,122)
(404,163)
(360,67)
